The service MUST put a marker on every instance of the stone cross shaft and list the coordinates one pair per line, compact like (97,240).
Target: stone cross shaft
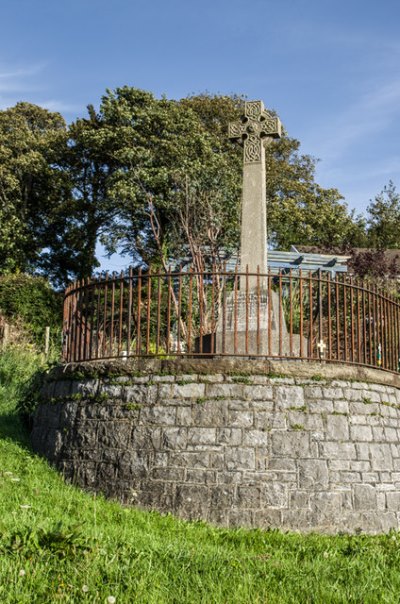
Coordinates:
(255,130)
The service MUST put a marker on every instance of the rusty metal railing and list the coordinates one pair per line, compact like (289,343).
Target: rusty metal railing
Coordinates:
(292,315)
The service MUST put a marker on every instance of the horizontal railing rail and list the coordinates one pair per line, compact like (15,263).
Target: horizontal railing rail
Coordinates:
(290,314)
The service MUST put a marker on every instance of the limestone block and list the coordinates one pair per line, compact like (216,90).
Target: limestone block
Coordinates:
(288,396)
(293,444)
(281,463)
(333,393)
(143,437)
(313,473)
(115,435)
(341,406)
(140,394)
(266,519)
(210,413)
(229,436)
(192,390)
(229,478)
(189,459)
(274,495)
(184,416)
(361,433)
(313,392)
(393,501)
(299,499)
(160,415)
(337,427)
(222,496)
(269,421)
(249,496)
(174,438)
(258,393)
(168,474)
(381,458)
(224,390)
(201,476)
(391,435)
(338,450)
(241,419)
(240,458)
(255,438)
(201,436)
(364,497)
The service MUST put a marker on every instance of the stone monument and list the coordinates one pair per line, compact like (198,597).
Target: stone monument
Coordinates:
(243,328)
(255,131)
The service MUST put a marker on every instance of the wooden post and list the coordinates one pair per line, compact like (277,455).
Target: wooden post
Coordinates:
(47,341)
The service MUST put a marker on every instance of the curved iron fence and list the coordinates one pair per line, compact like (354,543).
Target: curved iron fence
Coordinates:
(291,315)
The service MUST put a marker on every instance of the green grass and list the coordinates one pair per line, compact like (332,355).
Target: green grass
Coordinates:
(58,544)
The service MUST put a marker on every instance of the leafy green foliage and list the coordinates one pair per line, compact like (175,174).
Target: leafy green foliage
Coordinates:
(32,300)
(384,219)
(33,187)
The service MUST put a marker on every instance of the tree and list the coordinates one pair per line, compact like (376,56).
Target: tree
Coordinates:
(299,210)
(33,188)
(175,169)
(384,219)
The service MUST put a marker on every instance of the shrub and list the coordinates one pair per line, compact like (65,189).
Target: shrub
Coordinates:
(31,300)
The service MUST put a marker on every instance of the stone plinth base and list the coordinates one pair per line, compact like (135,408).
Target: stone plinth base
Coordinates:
(298,453)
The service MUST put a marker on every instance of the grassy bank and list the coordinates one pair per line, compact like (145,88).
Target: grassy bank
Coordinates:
(58,544)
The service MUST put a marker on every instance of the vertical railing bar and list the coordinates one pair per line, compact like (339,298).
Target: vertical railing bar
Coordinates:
(397,334)
(129,318)
(98,304)
(213,307)
(189,320)
(390,323)
(139,314)
(301,310)
(352,319)
(168,310)
(280,313)
(223,308)
(80,307)
(158,316)
(112,315)
(67,327)
(247,311)
(311,319)
(345,319)
(376,328)
(290,314)
(258,310)
(235,311)
(178,332)
(363,322)
(269,302)
(201,311)
(104,346)
(148,310)
(92,316)
(329,285)
(337,300)
(357,325)
(370,325)
(320,309)
(121,311)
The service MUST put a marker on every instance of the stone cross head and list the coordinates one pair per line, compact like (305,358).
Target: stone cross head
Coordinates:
(256,127)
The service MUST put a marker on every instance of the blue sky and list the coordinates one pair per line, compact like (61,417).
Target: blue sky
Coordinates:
(331,69)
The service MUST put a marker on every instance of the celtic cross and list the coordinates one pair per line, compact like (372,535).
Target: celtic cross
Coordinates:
(256,128)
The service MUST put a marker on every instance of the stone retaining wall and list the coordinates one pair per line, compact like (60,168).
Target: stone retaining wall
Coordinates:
(254,450)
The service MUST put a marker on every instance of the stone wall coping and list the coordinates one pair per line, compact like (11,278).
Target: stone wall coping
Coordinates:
(227,366)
